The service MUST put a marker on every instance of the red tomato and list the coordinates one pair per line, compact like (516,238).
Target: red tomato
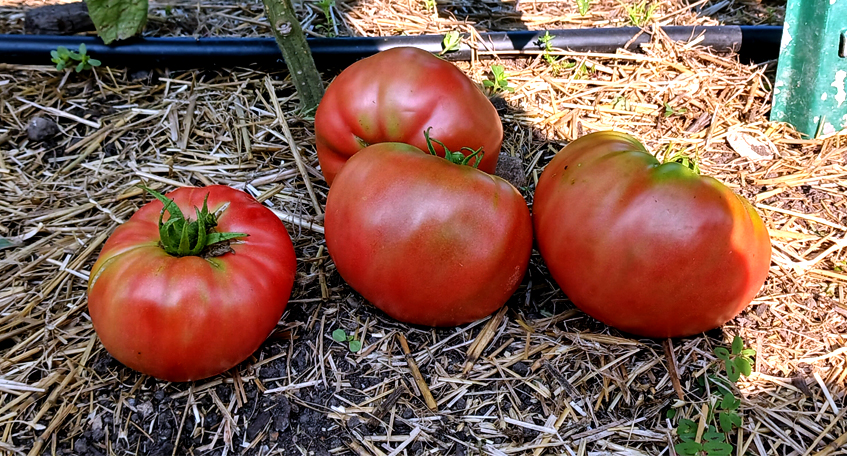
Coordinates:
(191,317)
(651,249)
(394,96)
(427,241)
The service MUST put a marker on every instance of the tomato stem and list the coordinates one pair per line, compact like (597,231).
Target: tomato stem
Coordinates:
(180,237)
(455,157)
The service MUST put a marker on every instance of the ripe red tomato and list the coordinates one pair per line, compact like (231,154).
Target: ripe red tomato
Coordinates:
(652,249)
(427,241)
(182,318)
(394,96)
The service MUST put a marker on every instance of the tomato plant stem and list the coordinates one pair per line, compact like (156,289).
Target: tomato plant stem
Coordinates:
(295,51)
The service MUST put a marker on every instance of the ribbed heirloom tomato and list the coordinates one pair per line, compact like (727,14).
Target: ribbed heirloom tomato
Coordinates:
(427,241)
(652,249)
(186,307)
(394,96)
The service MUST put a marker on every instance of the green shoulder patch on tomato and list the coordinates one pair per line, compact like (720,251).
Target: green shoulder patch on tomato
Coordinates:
(651,249)
(427,241)
(193,314)
(396,95)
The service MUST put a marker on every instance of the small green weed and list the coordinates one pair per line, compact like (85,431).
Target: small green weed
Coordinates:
(557,65)
(547,41)
(723,416)
(329,27)
(341,337)
(671,111)
(63,58)
(451,42)
(640,13)
(500,81)
(583,6)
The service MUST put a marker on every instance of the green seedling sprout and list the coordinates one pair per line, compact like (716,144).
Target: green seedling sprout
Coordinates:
(341,337)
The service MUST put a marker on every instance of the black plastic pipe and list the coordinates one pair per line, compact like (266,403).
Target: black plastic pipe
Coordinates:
(754,43)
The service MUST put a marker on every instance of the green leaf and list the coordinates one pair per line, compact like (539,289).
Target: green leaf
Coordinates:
(80,67)
(170,205)
(451,42)
(688,448)
(687,429)
(748,352)
(60,66)
(670,414)
(117,19)
(743,366)
(730,402)
(712,436)
(54,54)
(735,419)
(215,237)
(732,372)
(717,448)
(94,62)
(339,335)
(63,52)
(725,422)
(201,232)
(722,353)
(737,345)
(81,49)
(355,345)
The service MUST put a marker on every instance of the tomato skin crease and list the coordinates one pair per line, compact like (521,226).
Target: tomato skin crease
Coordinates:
(188,318)
(651,249)
(394,96)
(427,241)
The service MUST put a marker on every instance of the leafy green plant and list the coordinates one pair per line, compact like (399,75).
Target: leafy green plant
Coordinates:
(352,343)
(557,65)
(547,42)
(583,6)
(738,361)
(500,81)
(671,111)
(722,416)
(451,42)
(640,13)
(63,58)
(325,6)
(429,5)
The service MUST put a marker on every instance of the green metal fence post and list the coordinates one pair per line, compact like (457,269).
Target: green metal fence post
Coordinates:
(809,91)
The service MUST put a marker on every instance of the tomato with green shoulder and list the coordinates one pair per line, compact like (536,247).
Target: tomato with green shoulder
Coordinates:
(653,249)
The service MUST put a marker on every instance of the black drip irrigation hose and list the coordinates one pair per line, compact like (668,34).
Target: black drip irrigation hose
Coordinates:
(753,43)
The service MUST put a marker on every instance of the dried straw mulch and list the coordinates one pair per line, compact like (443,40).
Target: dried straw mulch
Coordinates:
(537,378)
